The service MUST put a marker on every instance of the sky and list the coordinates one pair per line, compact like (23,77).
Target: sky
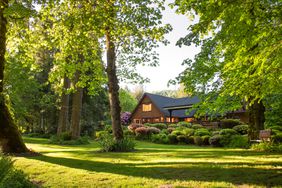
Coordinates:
(171,56)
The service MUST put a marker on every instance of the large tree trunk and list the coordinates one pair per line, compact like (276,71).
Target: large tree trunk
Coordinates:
(113,88)
(257,119)
(10,138)
(64,111)
(76,109)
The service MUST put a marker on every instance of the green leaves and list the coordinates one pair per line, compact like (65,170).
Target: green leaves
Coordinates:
(240,49)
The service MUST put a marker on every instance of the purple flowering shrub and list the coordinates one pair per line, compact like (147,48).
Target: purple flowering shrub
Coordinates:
(125,118)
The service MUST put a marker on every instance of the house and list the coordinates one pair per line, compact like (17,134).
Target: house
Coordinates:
(154,108)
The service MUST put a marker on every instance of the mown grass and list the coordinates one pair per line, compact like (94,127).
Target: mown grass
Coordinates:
(151,165)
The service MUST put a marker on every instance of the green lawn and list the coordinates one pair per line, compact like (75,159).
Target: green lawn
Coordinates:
(152,165)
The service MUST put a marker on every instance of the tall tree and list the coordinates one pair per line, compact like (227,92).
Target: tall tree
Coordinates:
(64,108)
(240,54)
(10,138)
(132,30)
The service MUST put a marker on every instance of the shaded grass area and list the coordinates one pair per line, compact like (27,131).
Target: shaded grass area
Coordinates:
(151,165)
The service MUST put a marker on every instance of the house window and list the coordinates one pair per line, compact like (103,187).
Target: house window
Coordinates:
(147,107)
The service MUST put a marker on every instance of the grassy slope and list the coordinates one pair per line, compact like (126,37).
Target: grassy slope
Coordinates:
(152,165)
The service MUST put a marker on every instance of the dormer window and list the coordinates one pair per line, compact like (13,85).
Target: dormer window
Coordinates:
(147,107)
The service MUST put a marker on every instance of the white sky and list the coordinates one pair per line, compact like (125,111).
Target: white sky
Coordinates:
(171,56)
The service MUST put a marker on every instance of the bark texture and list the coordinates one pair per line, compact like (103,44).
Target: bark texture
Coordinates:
(64,111)
(257,118)
(113,89)
(10,138)
(76,109)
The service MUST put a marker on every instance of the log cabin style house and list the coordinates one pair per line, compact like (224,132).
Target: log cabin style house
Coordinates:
(153,108)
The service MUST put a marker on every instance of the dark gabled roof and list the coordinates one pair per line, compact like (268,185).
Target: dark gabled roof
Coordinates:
(165,102)
(185,101)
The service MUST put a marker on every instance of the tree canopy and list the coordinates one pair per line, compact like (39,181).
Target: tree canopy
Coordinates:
(241,51)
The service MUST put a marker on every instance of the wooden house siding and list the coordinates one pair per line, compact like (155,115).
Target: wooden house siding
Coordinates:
(139,114)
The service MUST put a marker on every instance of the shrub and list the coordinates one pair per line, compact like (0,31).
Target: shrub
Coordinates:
(172,139)
(267,147)
(228,132)
(38,135)
(206,139)
(215,140)
(128,133)
(278,128)
(10,177)
(184,124)
(170,129)
(197,126)
(177,132)
(108,144)
(198,140)
(153,130)
(190,139)
(188,132)
(125,118)
(142,133)
(241,129)
(99,134)
(158,125)
(239,141)
(172,126)
(181,139)
(226,136)
(65,136)
(108,128)
(134,126)
(164,131)
(229,123)
(214,133)
(277,137)
(160,138)
(201,132)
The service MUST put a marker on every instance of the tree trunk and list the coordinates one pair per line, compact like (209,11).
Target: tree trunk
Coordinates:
(64,111)
(76,109)
(257,119)
(10,138)
(113,88)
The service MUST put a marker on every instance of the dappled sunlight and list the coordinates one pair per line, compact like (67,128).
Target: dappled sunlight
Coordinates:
(152,165)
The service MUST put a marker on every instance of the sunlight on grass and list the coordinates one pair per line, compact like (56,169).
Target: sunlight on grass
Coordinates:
(151,165)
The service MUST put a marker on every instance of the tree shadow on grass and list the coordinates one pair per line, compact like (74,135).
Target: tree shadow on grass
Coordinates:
(235,173)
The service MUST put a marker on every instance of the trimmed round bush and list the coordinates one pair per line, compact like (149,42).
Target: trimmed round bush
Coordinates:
(160,138)
(172,125)
(165,131)
(206,139)
(188,132)
(170,129)
(177,132)
(214,133)
(172,139)
(181,139)
(229,123)
(142,133)
(228,132)
(198,140)
(239,141)
(241,129)
(184,124)
(153,130)
(215,140)
(197,126)
(158,125)
(201,132)
(134,126)
(190,140)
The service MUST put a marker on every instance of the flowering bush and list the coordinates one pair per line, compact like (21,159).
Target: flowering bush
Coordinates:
(153,130)
(125,118)
(134,126)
